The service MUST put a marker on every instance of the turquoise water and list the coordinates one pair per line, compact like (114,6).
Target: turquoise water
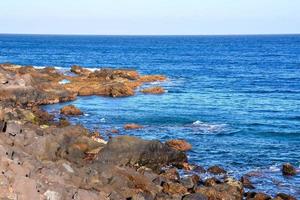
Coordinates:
(236,99)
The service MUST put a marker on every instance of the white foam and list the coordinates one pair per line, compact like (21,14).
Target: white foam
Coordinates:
(65,81)
(103,120)
(206,127)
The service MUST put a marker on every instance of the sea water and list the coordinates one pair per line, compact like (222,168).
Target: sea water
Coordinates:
(236,99)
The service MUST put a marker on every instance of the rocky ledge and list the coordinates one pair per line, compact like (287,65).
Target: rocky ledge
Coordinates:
(46,159)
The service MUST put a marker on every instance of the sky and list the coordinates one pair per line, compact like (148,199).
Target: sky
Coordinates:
(150,17)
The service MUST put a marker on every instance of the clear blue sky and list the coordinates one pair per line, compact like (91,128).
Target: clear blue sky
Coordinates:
(149,17)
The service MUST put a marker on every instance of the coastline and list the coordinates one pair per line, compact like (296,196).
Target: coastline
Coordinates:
(136,166)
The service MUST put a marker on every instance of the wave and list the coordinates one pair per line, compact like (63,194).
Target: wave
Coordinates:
(209,128)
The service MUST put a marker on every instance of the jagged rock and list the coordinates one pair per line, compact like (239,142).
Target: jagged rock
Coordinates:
(70,110)
(180,145)
(190,182)
(170,174)
(288,170)
(216,170)
(124,150)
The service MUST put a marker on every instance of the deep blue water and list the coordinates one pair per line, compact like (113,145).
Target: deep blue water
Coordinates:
(235,98)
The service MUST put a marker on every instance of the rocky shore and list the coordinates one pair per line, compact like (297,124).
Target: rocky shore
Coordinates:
(42,158)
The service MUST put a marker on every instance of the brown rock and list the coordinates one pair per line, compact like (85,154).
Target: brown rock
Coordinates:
(174,188)
(216,170)
(70,110)
(154,90)
(152,78)
(132,126)
(180,145)
(288,170)
(170,174)
(211,182)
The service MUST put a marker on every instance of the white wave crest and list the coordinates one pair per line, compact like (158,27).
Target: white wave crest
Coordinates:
(211,128)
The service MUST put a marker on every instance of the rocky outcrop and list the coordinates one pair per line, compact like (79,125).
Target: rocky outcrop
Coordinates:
(153,90)
(70,110)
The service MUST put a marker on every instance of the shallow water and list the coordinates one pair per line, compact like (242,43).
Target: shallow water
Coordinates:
(235,98)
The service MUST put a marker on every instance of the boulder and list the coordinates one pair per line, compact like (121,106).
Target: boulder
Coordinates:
(216,170)
(282,196)
(70,110)
(288,169)
(180,145)
(174,188)
(126,150)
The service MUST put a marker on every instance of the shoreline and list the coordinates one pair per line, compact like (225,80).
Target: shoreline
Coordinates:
(88,167)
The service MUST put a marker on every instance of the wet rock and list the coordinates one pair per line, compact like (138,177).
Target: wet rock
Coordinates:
(115,131)
(282,196)
(198,169)
(288,169)
(216,170)
(246,182)
(132,126)
(195,196)
(180,145)
(70,110)
(154,90)
(124,150)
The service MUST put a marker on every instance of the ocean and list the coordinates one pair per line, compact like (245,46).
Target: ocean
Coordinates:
(236,99)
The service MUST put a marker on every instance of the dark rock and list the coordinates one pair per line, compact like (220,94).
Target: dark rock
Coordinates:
(126,150)
(285,197)
(211,182)
(170,174)
(190,182)
(260,196)
(288,169)
(216,170)
(246,182)
(198,169)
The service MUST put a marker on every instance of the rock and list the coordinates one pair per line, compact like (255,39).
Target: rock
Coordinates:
(282,196)
(222,191)
(211,182)
(124,150)
(198,169)
(70,110)
(152,78)
(115,131)
(180,145)
(258,196)
(80,70)
(190,182)
(216,170)
(13,128)
(195,196)
(288,169)
(246,182)
(154,90)
(132,126)
(174,188)
(52,195)
(170,174)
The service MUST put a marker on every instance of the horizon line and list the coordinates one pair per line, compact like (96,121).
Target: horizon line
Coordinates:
(79,34)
